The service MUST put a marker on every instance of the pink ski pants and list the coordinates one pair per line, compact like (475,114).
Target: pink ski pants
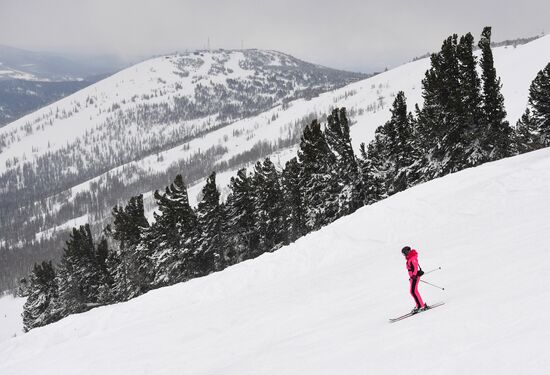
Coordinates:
(414,292)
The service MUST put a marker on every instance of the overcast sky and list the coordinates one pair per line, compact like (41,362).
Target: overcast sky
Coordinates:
(361,35)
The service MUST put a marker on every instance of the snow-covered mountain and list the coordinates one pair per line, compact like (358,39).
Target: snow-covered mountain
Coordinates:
(177,96)
(321,305)
(135,131)
(167,103)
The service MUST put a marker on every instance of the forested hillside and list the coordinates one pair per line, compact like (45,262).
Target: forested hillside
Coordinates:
(75,159)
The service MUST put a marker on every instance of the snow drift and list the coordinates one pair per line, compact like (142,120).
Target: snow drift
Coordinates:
(321,305)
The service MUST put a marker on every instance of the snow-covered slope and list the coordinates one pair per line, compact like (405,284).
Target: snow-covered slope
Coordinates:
(110,136)
(11,322)
(209,87)
(321,305)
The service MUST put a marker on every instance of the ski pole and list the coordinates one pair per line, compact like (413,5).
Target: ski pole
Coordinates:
(435,269)
(432,285)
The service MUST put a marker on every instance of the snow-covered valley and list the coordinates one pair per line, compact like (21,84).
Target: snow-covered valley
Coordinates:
(321,305)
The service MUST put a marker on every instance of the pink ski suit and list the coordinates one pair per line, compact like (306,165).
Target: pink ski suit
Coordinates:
(412,267)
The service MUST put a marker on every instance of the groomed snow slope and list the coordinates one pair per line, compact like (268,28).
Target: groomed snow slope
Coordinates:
(321,305)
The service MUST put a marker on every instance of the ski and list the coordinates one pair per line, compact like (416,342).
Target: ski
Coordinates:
(437,304)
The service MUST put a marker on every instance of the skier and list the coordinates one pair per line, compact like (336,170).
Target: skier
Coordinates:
(414,277)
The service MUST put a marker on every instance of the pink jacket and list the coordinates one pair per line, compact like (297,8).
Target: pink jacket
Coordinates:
(412,263)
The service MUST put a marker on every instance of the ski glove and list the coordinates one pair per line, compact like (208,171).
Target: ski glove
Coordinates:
(420,273)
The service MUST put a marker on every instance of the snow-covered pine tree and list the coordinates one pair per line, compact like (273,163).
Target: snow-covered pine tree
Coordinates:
(470,91)
(242,239)
(539,101)
(295,220)
(403,153)
(526,134)
(320,189)
(450,148)
(130,268)
(451,126)
(42,293)
(372,180)
(81,273)
(497,139)
(345,170)
(388,161)
(431,120)
(210,254)
(105,290)
(269,206)
(170,237)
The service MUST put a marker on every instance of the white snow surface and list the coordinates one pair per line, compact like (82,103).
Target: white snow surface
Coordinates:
(321,305)
(11,322)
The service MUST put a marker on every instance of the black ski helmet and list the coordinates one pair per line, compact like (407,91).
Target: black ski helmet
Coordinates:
(405,250)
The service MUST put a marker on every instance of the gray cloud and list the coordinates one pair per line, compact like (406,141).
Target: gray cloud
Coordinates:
(347,34)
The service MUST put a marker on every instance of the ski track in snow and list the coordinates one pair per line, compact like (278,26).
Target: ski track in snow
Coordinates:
(321,305)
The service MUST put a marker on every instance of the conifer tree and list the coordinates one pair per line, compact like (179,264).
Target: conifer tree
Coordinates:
(320,190)
(372,180)
(526,135)
(391,154)
(269,207)
(497,139)
(131,271)
(470,92)
(432,120)
(452,125)
(105,293)
(80,275)
(170,237)
(42,293)
(345,170)
(210,255)
(450,149)
(539,101)
(294,200)
(242,238)
(401,147)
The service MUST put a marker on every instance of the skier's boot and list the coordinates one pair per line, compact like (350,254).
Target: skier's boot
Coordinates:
(415,310)
(426,307)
